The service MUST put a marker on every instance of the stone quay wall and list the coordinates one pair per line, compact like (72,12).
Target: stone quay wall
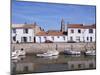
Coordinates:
(43,47)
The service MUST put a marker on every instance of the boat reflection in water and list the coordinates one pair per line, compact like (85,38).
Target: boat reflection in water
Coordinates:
(34,64)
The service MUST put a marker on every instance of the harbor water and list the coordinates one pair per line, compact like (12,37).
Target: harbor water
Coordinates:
(34,64)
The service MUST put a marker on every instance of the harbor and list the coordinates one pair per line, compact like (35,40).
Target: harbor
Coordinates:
(53,38)
(31,48)
(52,57)
(33,64)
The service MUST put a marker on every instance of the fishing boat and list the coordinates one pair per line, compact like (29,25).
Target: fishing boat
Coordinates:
(71,51)
(49,53)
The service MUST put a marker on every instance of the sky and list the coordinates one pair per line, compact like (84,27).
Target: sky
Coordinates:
(49,15)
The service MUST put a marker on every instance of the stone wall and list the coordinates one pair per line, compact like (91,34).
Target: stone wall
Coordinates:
(43,47)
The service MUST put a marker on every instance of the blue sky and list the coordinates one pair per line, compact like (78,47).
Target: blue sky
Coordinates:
(49,16)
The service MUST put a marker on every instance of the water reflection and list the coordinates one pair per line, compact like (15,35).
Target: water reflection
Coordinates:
(33,64)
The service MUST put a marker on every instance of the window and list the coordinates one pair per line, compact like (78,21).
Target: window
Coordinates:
(71,38)
(14,30)
(64,37)
(78,38)
(30,38)
(52,38)
(72,31)
(24,39)
(25,31)
(45,38)
(90,39)
(90,30)
(87,38)
(79,31)
(14,38)
(40,39)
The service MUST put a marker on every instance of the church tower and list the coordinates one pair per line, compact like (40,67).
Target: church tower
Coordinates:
(62,25)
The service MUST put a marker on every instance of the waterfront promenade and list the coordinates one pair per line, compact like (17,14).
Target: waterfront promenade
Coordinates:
(43,47)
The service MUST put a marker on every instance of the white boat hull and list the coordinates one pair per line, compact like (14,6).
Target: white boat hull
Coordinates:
(48,54)
(69,52)
(90,52)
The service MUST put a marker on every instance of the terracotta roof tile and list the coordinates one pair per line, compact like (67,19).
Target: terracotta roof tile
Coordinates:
(81,26)
(49,33)
(42,33)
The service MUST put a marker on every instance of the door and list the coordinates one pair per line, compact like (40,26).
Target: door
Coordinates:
(90,39)
(24,39)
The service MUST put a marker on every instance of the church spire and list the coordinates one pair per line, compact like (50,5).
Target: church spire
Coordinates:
(62,25)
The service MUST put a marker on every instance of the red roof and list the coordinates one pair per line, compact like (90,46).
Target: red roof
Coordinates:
(42,33)
(81,26)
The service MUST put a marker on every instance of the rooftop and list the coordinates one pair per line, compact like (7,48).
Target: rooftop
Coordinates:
(53,33)
(81,26)
(20,26)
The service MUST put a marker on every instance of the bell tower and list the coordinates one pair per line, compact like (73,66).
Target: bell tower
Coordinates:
(62,25)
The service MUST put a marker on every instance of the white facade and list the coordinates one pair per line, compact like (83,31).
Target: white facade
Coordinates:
(81,34)
(22,35)
(42,39)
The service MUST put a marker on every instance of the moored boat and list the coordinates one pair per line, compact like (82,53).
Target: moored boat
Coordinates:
(90,52)
(72,52)
(49,53)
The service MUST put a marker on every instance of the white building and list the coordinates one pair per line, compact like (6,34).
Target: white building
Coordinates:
(81,33)
(22,33)
(51,36)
